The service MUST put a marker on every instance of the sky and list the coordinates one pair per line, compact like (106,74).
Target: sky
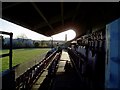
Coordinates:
(19,30)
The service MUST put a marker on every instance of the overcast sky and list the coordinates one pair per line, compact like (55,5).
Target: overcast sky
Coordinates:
(18,30)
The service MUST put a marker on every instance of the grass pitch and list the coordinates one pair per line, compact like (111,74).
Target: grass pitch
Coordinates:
(21,56)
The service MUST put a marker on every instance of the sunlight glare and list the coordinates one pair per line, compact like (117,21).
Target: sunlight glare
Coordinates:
(71,34)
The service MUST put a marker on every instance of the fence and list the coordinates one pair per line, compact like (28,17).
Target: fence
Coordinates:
(29,77)
(8,76)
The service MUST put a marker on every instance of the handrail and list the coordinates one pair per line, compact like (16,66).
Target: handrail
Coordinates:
(10,50)
(8,77)
(7,33)
(4,55)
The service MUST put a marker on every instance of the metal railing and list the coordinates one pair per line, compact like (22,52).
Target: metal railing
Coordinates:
(27,79)
(8,76)
(10,49)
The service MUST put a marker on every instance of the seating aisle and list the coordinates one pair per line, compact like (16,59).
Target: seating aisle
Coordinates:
(66,77)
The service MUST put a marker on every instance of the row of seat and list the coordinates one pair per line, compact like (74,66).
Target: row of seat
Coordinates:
(89,57)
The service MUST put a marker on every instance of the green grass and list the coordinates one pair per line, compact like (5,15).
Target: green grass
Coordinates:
(21,56)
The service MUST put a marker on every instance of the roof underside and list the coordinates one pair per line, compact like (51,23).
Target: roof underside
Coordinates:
(49,18)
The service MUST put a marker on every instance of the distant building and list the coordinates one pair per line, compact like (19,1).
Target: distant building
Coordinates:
(26,43)
(19,43)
